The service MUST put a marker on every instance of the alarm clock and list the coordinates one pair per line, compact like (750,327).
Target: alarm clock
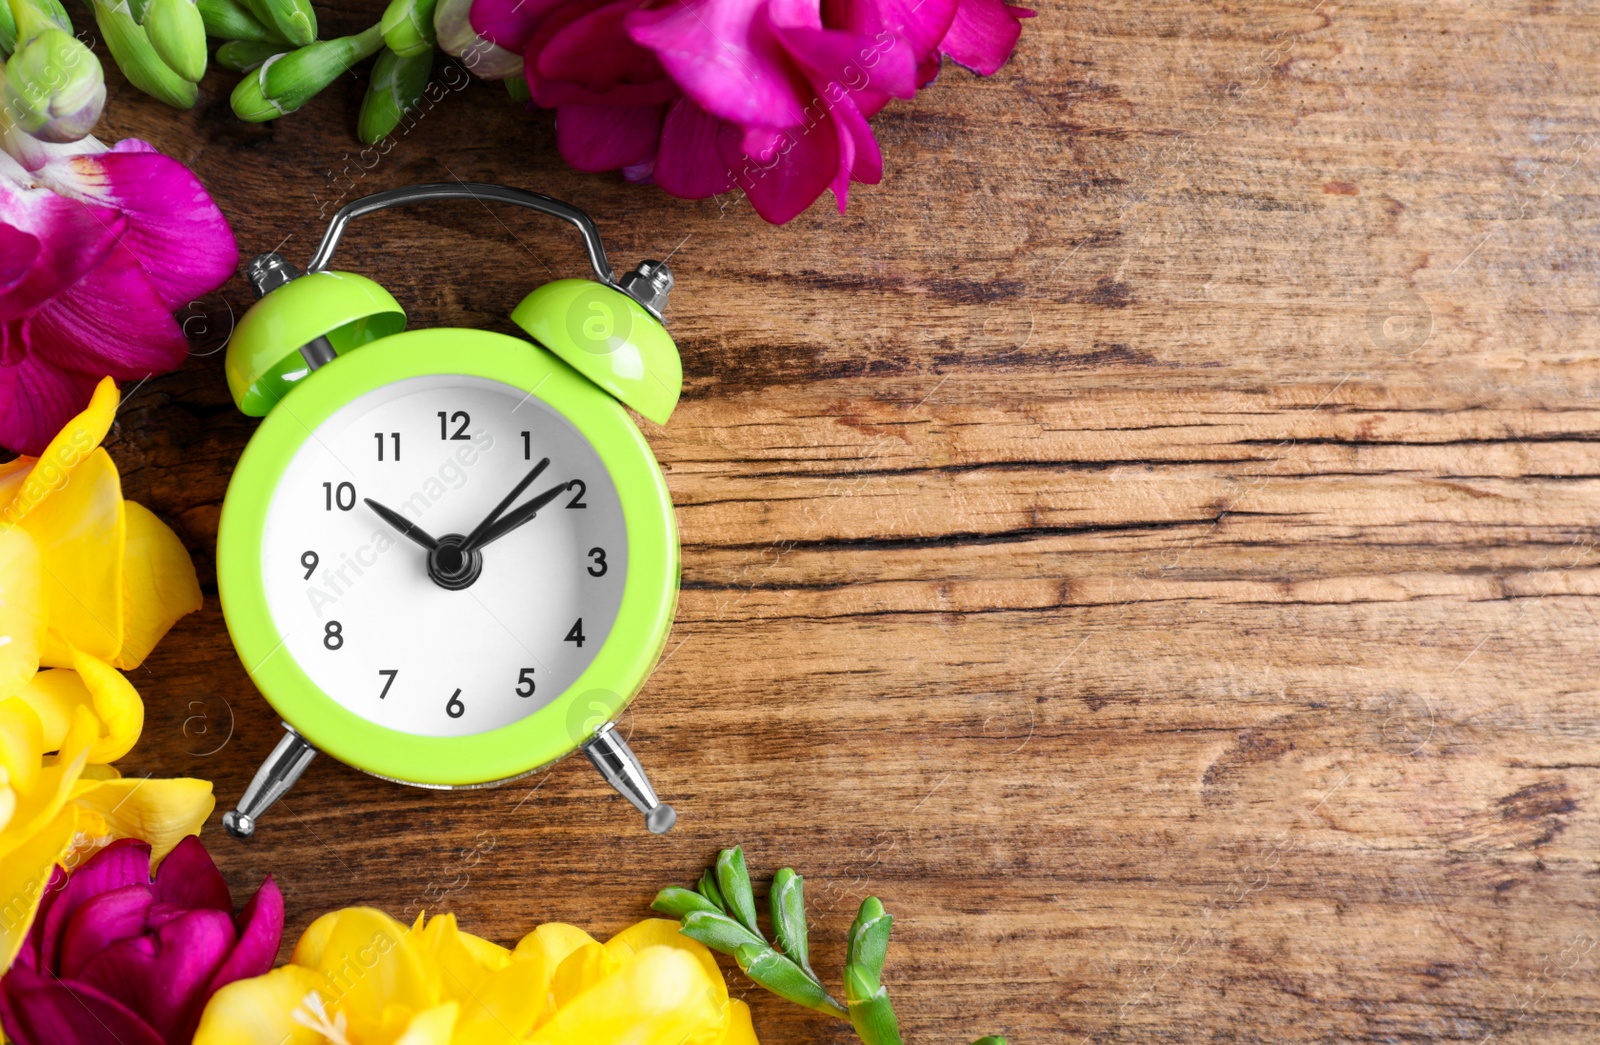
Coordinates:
(448,557)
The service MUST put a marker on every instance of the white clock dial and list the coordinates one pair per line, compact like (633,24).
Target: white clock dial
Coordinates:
(352,597)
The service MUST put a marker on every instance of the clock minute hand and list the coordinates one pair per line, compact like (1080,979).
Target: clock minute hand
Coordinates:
(401,523)
(478,531)
(517,516)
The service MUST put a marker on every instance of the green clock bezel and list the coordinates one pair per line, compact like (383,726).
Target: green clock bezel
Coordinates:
(618,670)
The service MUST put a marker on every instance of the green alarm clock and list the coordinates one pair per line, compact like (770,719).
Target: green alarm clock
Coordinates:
(448,557)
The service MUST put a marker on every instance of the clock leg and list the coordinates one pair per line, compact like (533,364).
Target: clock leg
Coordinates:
(617,763)
(275,777)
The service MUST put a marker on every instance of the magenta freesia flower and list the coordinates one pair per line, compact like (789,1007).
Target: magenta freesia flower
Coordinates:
(770,96)
(116,957)
(98,247)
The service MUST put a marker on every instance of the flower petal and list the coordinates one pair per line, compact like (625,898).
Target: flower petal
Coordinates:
(435,1026)
(29,876)
(67,449)
(596,138)
(789,173)
(36,396)
(260,932)
(721,54)
(42,1010)
(101,921)
(122,863)
(174,229)
(688,164)
(79,530)
(509,23)
(22,621)
(163,975)
(158,584)
(116,705)
(112,321)
(189,879)
(660,998)
(260,1011)
(917,24)
(159,811)
(70,239)
(983,34)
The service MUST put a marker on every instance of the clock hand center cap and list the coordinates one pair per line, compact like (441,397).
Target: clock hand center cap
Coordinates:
(449,568)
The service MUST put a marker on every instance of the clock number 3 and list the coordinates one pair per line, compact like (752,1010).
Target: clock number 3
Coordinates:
(598,569)
(453,707)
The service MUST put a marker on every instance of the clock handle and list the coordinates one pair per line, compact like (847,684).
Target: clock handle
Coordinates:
(617,763)
(275,777)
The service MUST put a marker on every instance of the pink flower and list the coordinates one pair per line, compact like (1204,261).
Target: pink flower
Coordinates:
(115,956)
(98,247)
(771,96)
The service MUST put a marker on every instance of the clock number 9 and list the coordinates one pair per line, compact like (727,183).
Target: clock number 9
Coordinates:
(525,679)
(333,635)
(343,496)
(453,707)
(460,418)
(309,560)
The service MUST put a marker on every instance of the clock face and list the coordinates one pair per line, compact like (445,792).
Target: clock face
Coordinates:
(443,652)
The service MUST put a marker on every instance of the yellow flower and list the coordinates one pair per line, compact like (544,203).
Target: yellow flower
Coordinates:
(358,977)
(88,584)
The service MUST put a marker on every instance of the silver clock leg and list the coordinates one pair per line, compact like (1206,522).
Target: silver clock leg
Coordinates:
(276,776)
(616,761)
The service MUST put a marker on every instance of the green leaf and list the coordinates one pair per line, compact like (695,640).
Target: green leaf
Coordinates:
(870,1012)
(734,882)
(869,936)
(680,902)
(992,1039)
(718,932)
(784,978)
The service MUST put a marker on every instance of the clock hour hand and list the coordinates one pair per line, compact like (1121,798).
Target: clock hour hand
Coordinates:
(505,502)
(401,523)
(519,515)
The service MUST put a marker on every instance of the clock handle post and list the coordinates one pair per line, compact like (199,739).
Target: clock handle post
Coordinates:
(275,777)
(610,753)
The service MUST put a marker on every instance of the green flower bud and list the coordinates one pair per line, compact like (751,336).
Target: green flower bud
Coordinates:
(241,56)
(869,936)
(679,902)
(718,932)
(517,88)
(870,1011)
(178,34)
(788,903)
(396,89)
(708,889)
(229,20)
(8,29)
(54,87)
(294,20)
(285,82)
(734,881)
(138,60)
(408,27)
(784,978)
(29,18)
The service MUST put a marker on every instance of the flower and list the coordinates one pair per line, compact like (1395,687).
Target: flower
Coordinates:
(98,247)
(117,956)
(358,977)
(88,584)
(771,96)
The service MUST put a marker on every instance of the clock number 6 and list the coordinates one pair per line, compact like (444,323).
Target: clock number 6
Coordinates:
(453,707)
(599,557)
(525,679)
(333,635)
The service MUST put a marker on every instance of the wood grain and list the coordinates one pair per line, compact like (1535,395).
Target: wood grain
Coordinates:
(1149,540)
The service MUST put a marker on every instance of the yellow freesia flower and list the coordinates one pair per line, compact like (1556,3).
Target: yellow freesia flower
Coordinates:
(88,584)
(358,977)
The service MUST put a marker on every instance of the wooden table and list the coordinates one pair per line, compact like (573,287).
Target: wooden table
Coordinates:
(1149,540)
